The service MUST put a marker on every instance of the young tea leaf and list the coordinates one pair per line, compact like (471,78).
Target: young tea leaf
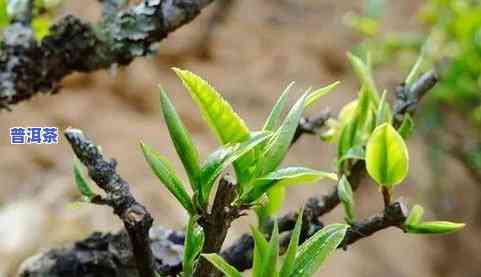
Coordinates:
(344,191)
(354,153)
(222,265)
(383,113)
(194,240)
(415,69)
(3,13)
(312,253)
(364,74)
(222,158)
(387,156)
(260,251)
(415,215)
(81,182)
(407,127)
(348,139)
(284,177)
(182,140)
(288,265)
(280,141)
(275,199)
(164,171)
(274,116)
(317,94)
(434,227)
(219,115)
(269,263)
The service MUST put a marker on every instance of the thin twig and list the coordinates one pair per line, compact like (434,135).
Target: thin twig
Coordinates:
(137,220)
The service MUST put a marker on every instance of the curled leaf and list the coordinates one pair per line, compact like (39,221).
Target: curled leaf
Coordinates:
(415,215)
(344,191)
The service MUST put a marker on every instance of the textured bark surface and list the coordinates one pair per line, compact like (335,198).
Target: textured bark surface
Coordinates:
(28,67)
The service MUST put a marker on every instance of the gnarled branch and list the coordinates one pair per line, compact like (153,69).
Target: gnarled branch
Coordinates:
(28,67)
(137,220)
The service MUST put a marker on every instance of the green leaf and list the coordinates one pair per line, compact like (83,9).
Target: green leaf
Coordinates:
(260,251)
(364,74)
(387,158)
(353,153)
(383,113)
(164,171)
(348,139)
(278,146)
(269,263)
(284,177)
(182,140)
(317,94)
(407,127)
(275,199)
(415,69)
(434,227)
(219,115)
(312,253)
(81,182)
(289,259)
(222,265)
(274,116)
(3,13)
(41,26)
(363,106)
(344,191)
(194,240)
(415,215)
(219,160)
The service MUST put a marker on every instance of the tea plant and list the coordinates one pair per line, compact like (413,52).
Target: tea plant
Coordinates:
(452,43)
(370,136)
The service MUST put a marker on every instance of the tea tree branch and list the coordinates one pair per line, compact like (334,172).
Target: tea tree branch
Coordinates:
(28,67)
(137,220)
(217,223)
(104,250)
(311,125)
(240,254)
(406,103)
(408,97)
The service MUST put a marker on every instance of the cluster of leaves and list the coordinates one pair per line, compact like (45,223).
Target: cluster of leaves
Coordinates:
(363,133)
(299,260)
(454,36)
(42,13)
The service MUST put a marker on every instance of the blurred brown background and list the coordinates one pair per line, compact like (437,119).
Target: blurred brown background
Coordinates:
(259,48)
